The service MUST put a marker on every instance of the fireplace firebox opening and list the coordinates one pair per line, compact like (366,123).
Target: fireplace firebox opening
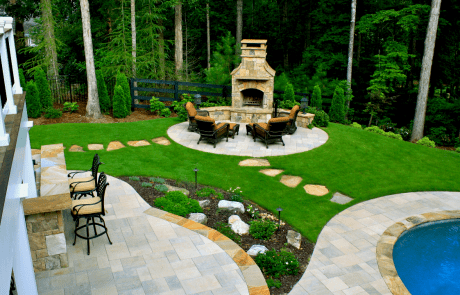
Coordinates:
(252,97)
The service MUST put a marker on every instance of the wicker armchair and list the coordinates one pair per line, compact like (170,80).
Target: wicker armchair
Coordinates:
(291,127)
(272,131)
(192,113)
(80,187)
(211,131)
(89,208)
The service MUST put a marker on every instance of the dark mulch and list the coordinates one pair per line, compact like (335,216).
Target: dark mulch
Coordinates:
(277,241)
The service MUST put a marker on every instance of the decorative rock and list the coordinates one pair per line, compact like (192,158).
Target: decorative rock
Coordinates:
(199,217)
(115,145)
(95,147)
(291,181)
(340,198)
(254,162)
(52,262)
(161,140)
(76,148)
(316,190)
(173,188)
(234,207)
(271,172)
(256,249)
(138,143)
(294,238)
(56,244)
(240,227)
(204,203)
(233,218)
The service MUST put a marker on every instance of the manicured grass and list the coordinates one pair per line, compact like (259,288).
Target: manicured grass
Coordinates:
(360,164)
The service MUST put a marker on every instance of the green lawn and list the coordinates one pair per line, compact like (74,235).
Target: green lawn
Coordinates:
(360,164)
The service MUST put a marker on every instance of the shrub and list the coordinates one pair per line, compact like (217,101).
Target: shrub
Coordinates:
(119,105)
(156,105)
(321,117)
(104,100)
(375,129)
(161,188)
(205,192)
(457,150)
(392,135)
(123,82)
(34,108)
(22,79)
(274,283)
(134,178)
(146,184)
(253,211)
(70,107)
(404,132)
(262,229)
(289,94)
(165,112)
(52,113)
(157,180)
(426,142)
(43,89)
(316,100)
(337,111)
(176,202)
(236,194)
(356,125)
(287,104)
(226,230)
(273,263)
(179,107)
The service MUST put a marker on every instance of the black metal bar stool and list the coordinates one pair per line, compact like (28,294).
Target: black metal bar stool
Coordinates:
(83,186)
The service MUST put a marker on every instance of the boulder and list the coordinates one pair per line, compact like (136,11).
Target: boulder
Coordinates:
(233,218)
(173,188)
(256,249)
(240,227)
(294,238)
(199,217)
(233,207)
(204,203)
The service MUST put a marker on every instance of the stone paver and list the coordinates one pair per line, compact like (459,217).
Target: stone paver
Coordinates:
(76,148)
(95,147)
(340,198)
(271,172)
(302,140)
(290,181)
(161,140)
(345,261)
(254,162)
(152,253)
(138,143)
(115,145)
(316,190)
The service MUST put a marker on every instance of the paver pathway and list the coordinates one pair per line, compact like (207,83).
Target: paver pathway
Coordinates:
(149,255)
(344,260)
(302,140)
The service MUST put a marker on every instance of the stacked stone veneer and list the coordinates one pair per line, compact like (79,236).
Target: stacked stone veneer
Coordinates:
(44,220)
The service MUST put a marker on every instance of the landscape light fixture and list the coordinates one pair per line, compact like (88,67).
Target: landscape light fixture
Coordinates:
(196,178)
(197,100)
(304,104)
(279,209)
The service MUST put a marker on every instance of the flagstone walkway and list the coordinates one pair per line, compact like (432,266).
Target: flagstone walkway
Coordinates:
(302,140)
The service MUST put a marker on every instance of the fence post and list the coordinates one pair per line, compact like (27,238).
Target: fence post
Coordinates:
(176,90)
(131,86)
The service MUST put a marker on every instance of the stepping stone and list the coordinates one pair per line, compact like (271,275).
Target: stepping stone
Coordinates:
(316,190)
(340,198)
(138,143)
(161,140)
(115,145)
(173,188)
(291,181)
(76,148)
(271,172)
(95,147)
(254,162)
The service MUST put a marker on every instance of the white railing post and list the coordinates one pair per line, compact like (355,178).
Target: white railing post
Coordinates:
(17,89)
(4,137)
(10,106)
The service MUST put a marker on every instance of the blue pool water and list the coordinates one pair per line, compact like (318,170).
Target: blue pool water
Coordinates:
(427,258)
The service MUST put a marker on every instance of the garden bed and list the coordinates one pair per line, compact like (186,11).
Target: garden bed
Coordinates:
(277,241)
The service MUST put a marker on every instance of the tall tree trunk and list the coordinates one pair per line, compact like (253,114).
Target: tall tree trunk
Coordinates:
(350,53)
(285,47)
(92,107)
(161,49)
(424,83)
(133,43)
(179,52)
(49,39)
(208,36)
(239,25)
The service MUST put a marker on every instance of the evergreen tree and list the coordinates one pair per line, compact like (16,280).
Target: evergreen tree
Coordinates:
(43,89)
(289,93)
(34,109)
(119,103)
(316,99)
(123,82)
(104,100)
(22,79)
(337,111)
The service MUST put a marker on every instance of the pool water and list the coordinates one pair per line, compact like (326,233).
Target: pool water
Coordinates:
(427,258)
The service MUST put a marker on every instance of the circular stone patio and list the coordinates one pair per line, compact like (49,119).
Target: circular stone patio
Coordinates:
(302,140)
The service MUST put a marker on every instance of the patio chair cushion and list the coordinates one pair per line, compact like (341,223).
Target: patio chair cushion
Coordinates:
(293,111)
(278,119)
(191,109)
(81,187)
(264,126)
(207,119)
(221,131)
(90,209)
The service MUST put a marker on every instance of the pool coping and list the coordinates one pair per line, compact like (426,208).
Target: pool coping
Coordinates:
(385,245)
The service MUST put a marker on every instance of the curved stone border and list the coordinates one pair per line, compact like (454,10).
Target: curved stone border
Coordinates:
(390,236)
(251,272)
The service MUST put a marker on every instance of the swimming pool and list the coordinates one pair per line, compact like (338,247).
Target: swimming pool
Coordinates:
(427,258)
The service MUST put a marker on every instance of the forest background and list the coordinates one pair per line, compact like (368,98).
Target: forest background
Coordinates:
(307,46)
